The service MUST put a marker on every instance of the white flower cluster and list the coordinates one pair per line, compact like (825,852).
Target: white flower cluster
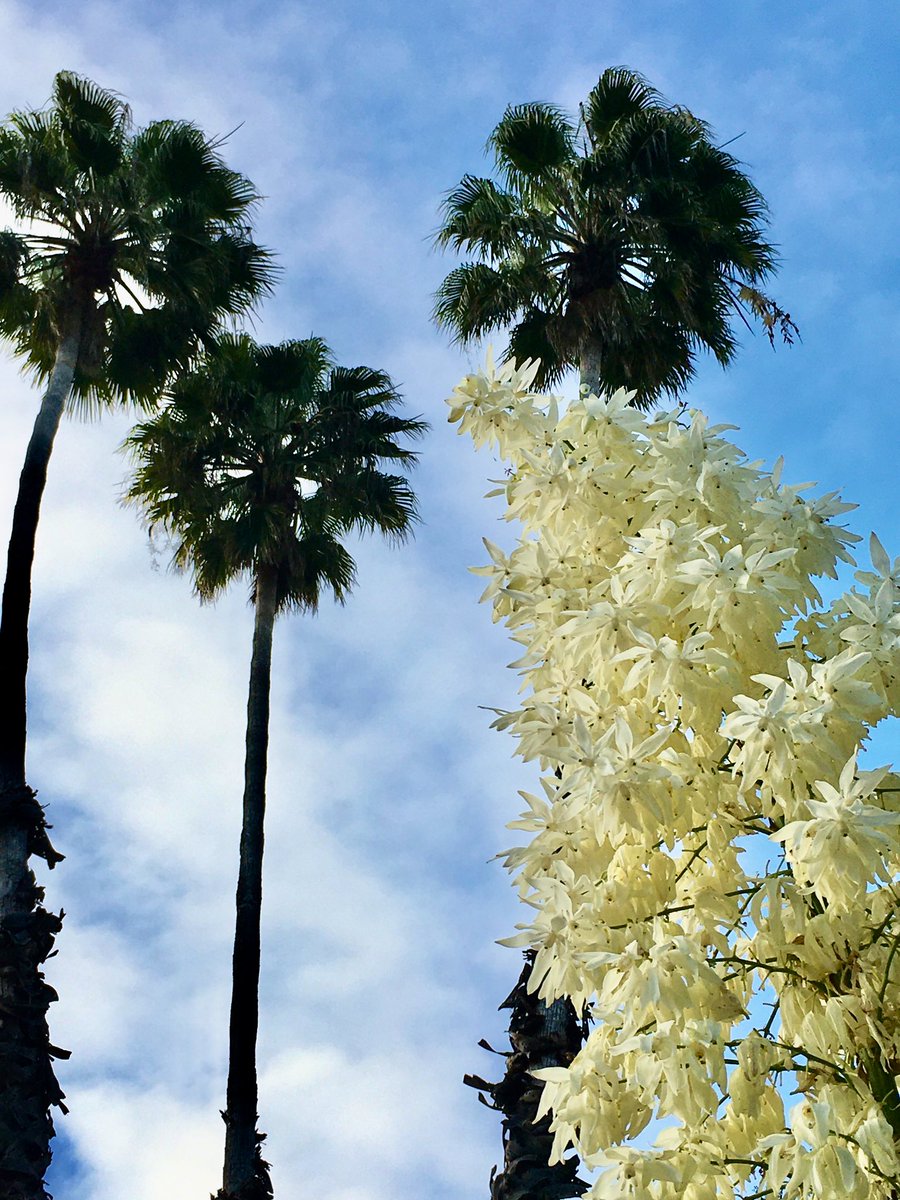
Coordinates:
(709,872)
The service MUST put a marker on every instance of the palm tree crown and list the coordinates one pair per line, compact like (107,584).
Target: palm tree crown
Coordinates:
(140,239)
(622,243)
(265,456)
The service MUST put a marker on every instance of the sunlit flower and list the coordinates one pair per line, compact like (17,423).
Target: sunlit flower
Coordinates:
(841,850)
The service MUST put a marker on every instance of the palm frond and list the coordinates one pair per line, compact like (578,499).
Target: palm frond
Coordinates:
(312,564)
(368,499)
(532,140)
(530,338)
(33,166)
(13,260)
(93,123)
(267,455)
(294,366)
(80,99)
(477,298)
(361,388)
(176,160)
(479,216)
(620,94)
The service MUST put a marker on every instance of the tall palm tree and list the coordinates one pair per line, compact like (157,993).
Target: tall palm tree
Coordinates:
(132,247)
(622,243)
(265,458)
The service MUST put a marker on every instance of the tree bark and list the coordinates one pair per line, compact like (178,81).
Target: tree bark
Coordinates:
(28,1085)
(245,1175)
(589,368)
(540,1035)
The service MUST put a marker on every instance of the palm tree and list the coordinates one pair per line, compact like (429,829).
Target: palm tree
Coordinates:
(265,458)
(133,246)
(621,244)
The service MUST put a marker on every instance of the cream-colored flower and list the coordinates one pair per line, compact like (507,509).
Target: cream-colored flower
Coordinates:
(842,848)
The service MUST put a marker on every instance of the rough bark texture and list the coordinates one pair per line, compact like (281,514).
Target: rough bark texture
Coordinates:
(246,1175)
(540,1036)
(28,1085)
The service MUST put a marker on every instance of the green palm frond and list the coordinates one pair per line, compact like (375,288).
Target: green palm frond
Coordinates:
(13,261)
(177,162)
(79,99)
(297,367)
(478,214)
(369,499)
(315,563)
(93,123)
(139,359)
(532,338)
(34,173)
(360,388)
(532,140)
(267,456)
(481,217)
(619,95)
(144,232)
(476,298)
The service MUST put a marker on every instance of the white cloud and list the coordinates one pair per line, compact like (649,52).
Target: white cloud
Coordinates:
(171,1149)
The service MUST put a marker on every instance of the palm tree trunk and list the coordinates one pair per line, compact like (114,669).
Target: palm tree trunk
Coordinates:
(540,1035)
(28,1086)
(246,1176)
(589,366)
(20,557)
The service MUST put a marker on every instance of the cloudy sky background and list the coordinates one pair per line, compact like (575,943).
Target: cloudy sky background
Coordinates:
(388,793)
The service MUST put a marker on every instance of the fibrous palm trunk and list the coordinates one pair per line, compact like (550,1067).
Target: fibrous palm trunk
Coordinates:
(28,1085)
(246,1175)
(540,1035)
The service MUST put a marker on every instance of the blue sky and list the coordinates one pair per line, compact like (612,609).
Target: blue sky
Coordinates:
(388,793)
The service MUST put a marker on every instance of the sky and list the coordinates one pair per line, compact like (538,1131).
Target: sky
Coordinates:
(388,792)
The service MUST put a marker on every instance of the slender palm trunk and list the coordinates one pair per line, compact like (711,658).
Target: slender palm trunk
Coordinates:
(20,557)
(245,1176)
(28,1086)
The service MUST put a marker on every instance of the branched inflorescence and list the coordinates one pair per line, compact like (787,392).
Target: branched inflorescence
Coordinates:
(709,869)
